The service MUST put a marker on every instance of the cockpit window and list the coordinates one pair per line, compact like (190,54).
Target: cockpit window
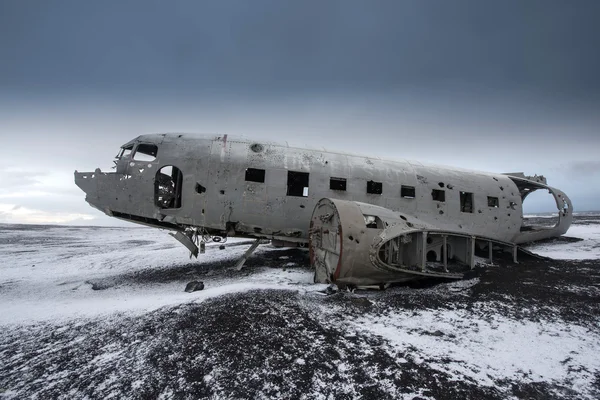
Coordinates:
(125,152)
(145,152)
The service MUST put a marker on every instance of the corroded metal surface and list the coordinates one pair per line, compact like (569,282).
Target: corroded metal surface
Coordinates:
(228,186)
(359,244)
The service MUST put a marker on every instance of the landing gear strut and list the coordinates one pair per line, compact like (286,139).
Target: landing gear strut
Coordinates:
(240,264)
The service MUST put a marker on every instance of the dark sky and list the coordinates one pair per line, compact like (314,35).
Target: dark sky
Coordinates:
(491,85)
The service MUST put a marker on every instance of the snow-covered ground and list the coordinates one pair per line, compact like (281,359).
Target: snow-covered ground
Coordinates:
(587,248)
(50,273)
(101,312)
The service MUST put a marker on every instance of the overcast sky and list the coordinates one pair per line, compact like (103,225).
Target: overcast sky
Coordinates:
(498,86)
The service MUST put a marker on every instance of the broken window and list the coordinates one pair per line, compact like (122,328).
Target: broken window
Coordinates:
(493,202)
(199,188)
(374,187)
(337,183)
(407,192)
(565,205)
(438,195)
(145,152)
(297,184)
(466,202)
(167,187)
(125,152)
(373,221)
(255,175)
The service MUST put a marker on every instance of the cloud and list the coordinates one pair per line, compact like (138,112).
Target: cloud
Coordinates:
(446,83)
(274,46)
(25,194)
(584,168)
(13,178)
(13,213)
(45,182)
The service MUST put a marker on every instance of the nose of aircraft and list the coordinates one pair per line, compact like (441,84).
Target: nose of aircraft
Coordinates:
(88,182)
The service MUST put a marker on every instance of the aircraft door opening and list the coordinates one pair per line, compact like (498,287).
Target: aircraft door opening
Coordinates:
(167,187)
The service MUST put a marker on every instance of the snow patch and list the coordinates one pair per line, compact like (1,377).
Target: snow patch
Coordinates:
(586,249)
(491,349)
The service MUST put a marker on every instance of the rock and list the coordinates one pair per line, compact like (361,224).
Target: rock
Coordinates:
(436,333)
(361,302)
(194,286)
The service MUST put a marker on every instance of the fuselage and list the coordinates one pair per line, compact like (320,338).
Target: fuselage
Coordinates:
(234,186)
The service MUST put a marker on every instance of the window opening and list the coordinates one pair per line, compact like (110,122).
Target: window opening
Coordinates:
(255,175)
(167,187)
(199,188)
(125,152)
(431,256)
(565,206)
(374,187)
(145,152)
(466,202)
(438,195)
(337,183)
(297,184)
(373,221)
(493,202)
(407,192)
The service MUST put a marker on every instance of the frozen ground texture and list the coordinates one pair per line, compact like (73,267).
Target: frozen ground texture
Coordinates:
(101,313)
(586,227)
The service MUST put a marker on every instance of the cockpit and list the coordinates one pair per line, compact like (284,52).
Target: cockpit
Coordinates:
(134,152)
(143,152)
(136,157)
(124,152)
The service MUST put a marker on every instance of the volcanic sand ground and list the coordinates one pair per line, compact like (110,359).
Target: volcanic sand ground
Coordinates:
(101,313)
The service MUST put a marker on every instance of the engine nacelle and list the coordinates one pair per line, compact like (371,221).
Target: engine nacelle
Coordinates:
(341,242)
(359,244)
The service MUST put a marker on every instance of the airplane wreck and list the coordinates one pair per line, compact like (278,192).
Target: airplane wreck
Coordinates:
(366,221)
